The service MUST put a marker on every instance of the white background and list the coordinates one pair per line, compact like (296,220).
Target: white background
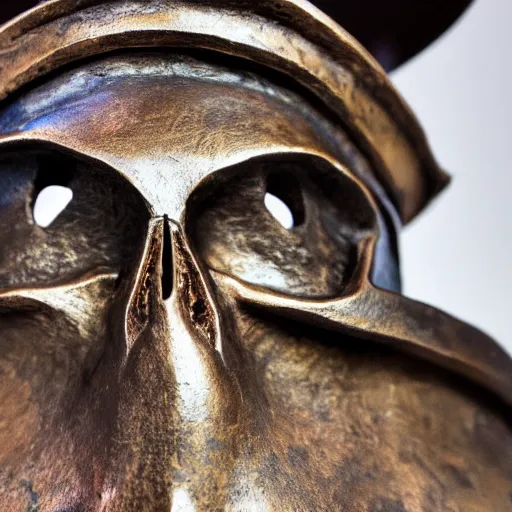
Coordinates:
(457,255)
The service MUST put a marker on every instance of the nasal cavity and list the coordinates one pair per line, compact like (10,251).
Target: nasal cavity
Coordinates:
(167,266)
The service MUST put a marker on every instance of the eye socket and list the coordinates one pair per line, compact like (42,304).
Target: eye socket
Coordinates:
(92,218)
(50,203)
(287,222)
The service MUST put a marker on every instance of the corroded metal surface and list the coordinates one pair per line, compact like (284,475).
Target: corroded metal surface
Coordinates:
(166,344)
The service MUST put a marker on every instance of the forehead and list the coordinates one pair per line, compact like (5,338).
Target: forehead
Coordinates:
(167,124)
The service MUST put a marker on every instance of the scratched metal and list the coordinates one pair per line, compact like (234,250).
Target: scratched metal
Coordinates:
(166,344)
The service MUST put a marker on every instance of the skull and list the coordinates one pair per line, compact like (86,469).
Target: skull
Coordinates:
(166,344)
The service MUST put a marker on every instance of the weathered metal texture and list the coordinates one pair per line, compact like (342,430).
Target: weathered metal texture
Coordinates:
(166,344)
(386,33)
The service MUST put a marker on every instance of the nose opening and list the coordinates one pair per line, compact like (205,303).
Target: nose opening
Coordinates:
(167,266)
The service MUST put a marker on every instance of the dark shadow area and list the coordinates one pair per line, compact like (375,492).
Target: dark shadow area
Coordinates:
(394,30)
(10,9)
(167,267)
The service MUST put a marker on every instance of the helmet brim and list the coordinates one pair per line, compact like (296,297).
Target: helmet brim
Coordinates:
(393,30)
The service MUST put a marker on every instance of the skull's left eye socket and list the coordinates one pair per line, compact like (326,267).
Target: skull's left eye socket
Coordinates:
(63,217)
(307,247)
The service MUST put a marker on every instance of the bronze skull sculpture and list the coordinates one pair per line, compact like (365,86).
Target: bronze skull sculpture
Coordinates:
(166,344)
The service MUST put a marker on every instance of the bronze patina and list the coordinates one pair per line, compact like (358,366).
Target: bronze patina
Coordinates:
(166,344)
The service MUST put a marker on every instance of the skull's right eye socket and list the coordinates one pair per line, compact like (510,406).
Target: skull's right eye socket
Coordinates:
(63,217)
